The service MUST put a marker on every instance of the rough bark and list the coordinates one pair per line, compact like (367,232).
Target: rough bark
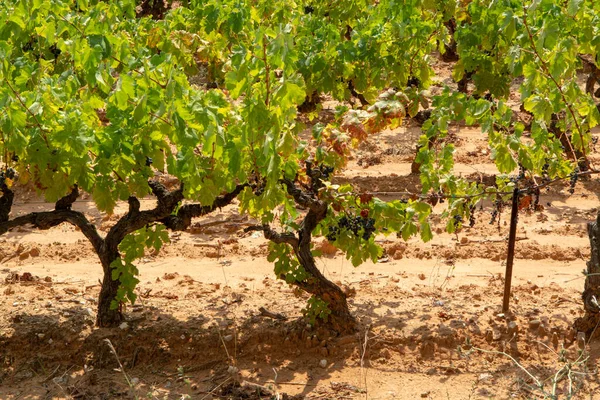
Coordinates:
(565,141)
(67,202)
(154,8)
(589,66)
(310,102)
(463,84)
(107,316)
(591,293)
(363,101)
(450,53)
(6,202)
(183,219)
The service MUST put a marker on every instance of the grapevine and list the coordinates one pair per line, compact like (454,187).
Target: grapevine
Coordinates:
(98,97)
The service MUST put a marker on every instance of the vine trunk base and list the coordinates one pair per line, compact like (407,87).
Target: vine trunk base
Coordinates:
(108,317)
(591,293)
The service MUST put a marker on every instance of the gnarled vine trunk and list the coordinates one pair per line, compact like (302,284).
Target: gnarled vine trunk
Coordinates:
(450,53)
(591,293)
(107,315)
(340,319)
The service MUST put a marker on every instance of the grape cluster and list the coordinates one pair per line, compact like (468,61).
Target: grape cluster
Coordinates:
(318,174)
(55,51)
(545,177)
(573,180)
(536,201)
(322,172)
(472,215)
(326,171)
(458,219)
(356,225)
(497,208)
(521,172)
(9,173)
(494,216)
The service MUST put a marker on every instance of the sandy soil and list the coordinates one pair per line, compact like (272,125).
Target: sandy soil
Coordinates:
(429,314)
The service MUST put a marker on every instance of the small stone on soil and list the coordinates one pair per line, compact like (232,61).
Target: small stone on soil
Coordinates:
(513,327)
(535,324)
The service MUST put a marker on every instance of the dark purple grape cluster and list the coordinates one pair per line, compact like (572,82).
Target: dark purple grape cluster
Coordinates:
(8,173)
(521,175)
(496,212)
(573,180)
(458,219)
(359,226)
(318,174)
(472,215)
(325,171)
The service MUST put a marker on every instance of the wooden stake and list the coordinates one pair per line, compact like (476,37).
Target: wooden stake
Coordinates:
(512,235)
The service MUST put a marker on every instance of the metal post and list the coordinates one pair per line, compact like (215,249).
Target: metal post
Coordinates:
(512,236)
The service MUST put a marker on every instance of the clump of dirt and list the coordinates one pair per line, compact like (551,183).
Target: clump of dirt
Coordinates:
(396,250)
(369,160)
(248,391)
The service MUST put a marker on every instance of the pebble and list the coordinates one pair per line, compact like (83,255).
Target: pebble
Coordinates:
(542,331)
(228,338)
(535,324)
(555,340)
(513,327)
(489,335)
(124,325)
(581,340)
(497,335)
(424,395)
(323,363)
(58,380)
(232,370)
(484,377)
